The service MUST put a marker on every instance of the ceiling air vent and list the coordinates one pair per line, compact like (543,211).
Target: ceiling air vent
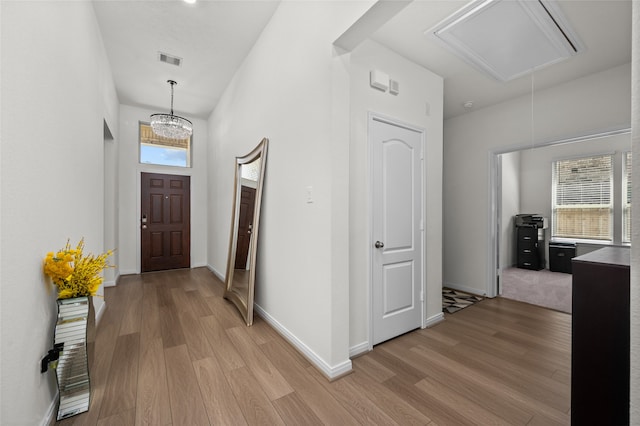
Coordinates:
(169,59)
(508,39)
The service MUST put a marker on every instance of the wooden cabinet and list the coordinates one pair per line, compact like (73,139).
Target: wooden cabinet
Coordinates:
(600,338)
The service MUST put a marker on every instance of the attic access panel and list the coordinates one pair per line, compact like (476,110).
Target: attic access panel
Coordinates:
(509,38)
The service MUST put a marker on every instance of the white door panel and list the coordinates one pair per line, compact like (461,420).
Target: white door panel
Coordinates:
(397,213)
(398,289)
(397,182)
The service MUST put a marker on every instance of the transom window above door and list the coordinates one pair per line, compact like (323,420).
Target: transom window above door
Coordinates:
(162,151)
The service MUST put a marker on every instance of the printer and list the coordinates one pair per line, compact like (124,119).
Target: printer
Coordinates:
(531,221)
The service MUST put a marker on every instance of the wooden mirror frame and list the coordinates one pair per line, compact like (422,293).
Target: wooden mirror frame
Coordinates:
(237,294)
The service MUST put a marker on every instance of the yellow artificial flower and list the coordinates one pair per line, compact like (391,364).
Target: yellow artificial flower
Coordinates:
(73,273)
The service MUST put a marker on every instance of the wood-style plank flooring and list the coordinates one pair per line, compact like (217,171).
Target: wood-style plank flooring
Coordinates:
(170,350)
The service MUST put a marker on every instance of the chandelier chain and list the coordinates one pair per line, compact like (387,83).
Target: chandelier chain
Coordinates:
(172,83)
(169,125)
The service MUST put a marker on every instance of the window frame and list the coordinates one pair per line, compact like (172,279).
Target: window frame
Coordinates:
(188,149)
(609,238)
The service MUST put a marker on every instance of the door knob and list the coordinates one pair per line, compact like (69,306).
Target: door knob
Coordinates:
(379,244)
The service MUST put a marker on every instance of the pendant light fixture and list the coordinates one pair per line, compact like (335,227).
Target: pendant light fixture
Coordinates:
(171,126)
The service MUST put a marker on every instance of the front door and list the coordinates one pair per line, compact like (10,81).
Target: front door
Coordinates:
(397,235)
(245,225)
(165,222)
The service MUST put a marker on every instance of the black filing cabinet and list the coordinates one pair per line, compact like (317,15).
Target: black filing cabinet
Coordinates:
(530,229)
(530,245)
(560,255)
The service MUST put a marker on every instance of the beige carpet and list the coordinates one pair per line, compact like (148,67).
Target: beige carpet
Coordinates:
(542,288)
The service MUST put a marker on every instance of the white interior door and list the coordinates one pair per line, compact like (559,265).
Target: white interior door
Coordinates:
(396,235)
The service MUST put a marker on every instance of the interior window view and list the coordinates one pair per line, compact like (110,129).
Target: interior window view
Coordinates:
(164,151)
(319,212)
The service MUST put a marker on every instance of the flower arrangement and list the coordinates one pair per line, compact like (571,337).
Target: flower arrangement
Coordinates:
(74,273)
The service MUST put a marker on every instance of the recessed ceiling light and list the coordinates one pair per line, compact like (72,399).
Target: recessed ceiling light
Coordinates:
(189,1)
(508,39)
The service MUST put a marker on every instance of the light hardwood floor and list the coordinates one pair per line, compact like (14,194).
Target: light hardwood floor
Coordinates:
(171,351)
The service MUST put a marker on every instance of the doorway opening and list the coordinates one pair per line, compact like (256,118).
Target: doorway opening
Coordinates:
(520,182)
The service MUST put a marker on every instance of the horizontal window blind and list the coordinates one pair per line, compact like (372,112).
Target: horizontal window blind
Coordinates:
(582,201)
(626,204)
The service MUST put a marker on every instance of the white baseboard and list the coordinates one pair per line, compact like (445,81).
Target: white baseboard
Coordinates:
(216,273)
(129,272)
(359,349)
(331,372)
(472,290)
(100,313)
(433,320)
(199,265)
(109,283)
(50,417)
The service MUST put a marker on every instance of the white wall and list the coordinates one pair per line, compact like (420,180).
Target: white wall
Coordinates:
(593,103)
(129,188)
(419,87)
(111,109)
(510,199)
(293,89)
(55,98)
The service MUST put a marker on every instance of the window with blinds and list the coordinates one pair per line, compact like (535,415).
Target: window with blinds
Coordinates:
(582,204)
(156,149)
(626,198)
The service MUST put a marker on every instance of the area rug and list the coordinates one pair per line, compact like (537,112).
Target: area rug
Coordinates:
(454,300)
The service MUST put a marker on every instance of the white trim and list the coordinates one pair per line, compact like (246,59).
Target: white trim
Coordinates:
(110,283)
(331,372)
(359,349)
(99,313)
(471,290)
(492,217)
(374,116)
(436,319)
(492,230)
(50,417)
(217,273)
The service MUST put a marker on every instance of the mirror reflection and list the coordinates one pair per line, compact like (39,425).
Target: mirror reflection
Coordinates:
(72,371)
(241,271)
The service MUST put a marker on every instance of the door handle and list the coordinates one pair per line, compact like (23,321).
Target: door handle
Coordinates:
(379,244)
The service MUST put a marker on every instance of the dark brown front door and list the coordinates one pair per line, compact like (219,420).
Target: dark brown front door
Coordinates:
(245,223)
(165,222)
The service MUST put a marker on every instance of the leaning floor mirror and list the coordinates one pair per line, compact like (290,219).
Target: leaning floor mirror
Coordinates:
(245,223)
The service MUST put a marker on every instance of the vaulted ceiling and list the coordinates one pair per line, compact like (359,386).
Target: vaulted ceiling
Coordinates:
(212,38)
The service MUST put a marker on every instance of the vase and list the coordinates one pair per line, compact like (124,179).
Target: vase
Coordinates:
(74,337)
